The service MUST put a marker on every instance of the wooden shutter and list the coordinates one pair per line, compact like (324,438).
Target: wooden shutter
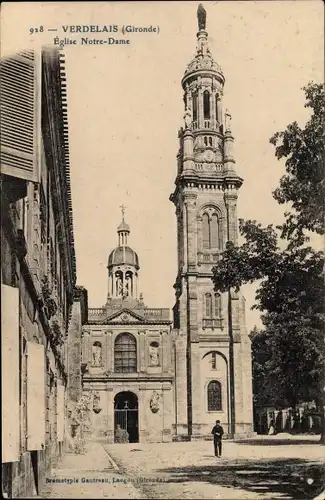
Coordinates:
(60,413)
(10,373)
(35,396)
(18,99)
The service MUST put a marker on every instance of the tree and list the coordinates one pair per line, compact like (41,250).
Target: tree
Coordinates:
(290,296)
(303,185)
(291,292)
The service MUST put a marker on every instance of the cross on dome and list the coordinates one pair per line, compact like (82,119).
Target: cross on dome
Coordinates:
(123,207)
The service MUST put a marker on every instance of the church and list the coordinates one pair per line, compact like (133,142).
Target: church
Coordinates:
(157,379)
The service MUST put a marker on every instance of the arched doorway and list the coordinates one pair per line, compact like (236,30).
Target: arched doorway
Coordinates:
(126,416)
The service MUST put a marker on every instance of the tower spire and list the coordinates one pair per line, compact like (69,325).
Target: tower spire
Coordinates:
(123,229)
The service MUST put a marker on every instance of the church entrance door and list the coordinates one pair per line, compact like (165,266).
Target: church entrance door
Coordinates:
(126,418)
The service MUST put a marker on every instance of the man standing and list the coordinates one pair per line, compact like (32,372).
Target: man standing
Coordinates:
(217,432)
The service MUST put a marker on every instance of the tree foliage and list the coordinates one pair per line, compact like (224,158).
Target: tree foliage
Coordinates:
(303,184)
(288,355)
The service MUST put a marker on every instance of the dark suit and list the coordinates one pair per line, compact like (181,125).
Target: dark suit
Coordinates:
(217,432)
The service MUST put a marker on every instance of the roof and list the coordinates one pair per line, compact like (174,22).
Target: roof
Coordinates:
(123,255)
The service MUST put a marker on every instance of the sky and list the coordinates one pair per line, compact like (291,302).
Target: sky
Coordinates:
(125,106)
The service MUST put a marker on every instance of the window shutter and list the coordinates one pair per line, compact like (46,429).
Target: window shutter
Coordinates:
(10,373)
(35,396)
(18,92)
(60,413)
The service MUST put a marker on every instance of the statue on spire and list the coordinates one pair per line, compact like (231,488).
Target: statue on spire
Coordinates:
(201,17)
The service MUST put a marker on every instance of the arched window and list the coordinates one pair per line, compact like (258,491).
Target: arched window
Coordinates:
(210,230)
(194,107)
(214,231)
(208,305)
(217,305)
(125,353)
(214,396)
(206,104)
(205,141)
(206,231)
(210,141)
(128,285)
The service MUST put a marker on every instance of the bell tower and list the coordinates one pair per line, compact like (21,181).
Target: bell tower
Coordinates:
(213,356)
(123,267)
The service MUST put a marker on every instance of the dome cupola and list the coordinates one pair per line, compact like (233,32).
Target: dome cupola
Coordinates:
(123,266)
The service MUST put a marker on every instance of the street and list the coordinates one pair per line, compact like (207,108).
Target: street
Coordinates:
(263,468)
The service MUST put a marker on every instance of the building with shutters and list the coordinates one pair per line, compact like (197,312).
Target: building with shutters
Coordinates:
(39,297)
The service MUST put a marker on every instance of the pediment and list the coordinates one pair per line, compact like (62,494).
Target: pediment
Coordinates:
(125,316)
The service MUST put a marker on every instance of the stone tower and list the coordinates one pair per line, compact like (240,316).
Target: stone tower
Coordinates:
(212,350)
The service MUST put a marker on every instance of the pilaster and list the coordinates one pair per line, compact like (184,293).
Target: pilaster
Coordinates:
(181,388)
(196,387)
(200,104)
(190,209)
(142,351)
(165,357)
(109,349)
(185,236)
(231,206)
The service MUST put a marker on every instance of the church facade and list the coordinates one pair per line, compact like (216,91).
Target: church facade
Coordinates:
(127,357)
(155,381)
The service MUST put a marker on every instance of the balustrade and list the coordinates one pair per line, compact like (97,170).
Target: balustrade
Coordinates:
(160,313)
(211,323)
(208,167)
(208,258)
(97,311)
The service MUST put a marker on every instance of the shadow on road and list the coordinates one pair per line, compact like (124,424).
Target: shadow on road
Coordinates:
(277,442)
(290,479)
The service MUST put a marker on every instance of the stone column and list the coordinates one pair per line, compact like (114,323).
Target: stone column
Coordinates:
(113,284)
(110,415)
(199,234)
(109,357)
(218,108)
(190,204)
(165,351)
(143,409)
(142,340)
(168,412)
(181,421)
(196,389)
(200,107)
(231,205)
(185,242)
(213,109)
